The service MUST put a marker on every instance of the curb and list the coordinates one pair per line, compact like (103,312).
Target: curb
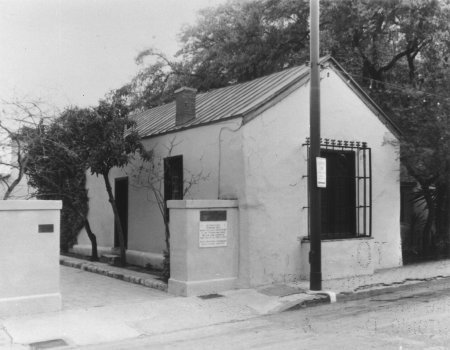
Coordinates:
(319,299)
(349,296)
(90,267)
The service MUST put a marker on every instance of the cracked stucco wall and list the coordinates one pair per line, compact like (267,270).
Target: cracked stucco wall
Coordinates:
(276,193)
(213,150)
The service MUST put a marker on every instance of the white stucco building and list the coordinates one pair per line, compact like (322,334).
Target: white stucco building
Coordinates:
(248,142)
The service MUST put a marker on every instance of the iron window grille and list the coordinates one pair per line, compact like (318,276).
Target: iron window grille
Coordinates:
(347,201)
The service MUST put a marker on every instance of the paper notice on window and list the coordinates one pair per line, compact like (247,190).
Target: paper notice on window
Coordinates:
(321,166)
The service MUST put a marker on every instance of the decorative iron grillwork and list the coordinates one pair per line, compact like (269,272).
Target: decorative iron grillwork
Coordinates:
(347,200)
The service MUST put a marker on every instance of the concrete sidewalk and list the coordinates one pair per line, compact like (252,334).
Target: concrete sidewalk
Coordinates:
(100,309)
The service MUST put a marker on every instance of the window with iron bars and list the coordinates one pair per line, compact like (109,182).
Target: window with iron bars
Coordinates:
(346,202)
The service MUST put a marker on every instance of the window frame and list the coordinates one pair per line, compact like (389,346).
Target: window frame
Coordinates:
(363,185)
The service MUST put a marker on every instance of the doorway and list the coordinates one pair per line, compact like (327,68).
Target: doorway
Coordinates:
(121,197)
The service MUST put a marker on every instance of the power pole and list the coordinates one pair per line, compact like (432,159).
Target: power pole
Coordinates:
(315,278)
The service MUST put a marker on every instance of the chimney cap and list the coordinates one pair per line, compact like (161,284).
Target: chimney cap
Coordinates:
(185,88)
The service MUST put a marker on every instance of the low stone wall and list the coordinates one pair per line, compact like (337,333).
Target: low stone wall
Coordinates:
(29,257)
(204,246)
(341,258)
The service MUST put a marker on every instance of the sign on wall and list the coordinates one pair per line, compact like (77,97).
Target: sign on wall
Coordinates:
(213,229)
(321,164)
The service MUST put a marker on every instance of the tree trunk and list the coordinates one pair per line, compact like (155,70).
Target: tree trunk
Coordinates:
(426,233)
(411,69)
(447,214)
(443,217)
(87,226)
(10,188)
(123,256)
(93,239)
(375,76)
(166,227)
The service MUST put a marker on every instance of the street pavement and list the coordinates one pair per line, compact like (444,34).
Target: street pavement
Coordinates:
(102,310)
(416,318)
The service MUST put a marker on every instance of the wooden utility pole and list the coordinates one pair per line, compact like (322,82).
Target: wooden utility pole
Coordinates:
(315,278)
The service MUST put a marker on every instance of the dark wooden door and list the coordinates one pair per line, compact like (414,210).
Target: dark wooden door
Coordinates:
(121,197)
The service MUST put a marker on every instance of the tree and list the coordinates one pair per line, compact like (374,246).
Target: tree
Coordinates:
(425,144)
(381,40)
(13,160)
(103,138)
(239,41)
(55,171)
(242,40)
(18,119)
(35,144)
(235,42)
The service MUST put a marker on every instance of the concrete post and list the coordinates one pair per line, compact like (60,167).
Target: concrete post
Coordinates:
(29,257)
(204,246)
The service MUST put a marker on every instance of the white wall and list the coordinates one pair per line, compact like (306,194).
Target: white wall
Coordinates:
(202,153)
(29,259)
(275,162)
(361,125)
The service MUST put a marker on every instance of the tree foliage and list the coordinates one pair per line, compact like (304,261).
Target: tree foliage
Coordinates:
(17,119)
(381,39)
(239,41)
(103,138)
(232,43)
(375,40)
(56,171)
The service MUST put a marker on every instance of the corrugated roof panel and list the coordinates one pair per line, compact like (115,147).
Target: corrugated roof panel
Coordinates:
(239,100)
(229,101)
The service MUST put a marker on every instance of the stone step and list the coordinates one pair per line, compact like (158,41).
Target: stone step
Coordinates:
(112,259)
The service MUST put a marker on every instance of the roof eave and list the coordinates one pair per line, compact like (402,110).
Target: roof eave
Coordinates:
(275,97)
(191,126)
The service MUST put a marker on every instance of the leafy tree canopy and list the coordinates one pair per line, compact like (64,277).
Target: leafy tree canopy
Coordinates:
(375,40)
(56,171)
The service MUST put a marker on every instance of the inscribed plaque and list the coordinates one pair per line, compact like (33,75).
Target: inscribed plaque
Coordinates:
(212,234)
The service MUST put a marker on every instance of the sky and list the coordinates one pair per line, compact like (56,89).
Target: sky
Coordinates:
(72,52)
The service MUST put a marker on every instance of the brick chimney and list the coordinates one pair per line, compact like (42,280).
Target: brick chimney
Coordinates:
(185,105)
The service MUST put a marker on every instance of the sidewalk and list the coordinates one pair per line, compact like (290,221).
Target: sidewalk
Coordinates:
(100,309)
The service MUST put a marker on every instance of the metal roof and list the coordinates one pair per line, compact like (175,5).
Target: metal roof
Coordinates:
(245,100)
(219,104)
